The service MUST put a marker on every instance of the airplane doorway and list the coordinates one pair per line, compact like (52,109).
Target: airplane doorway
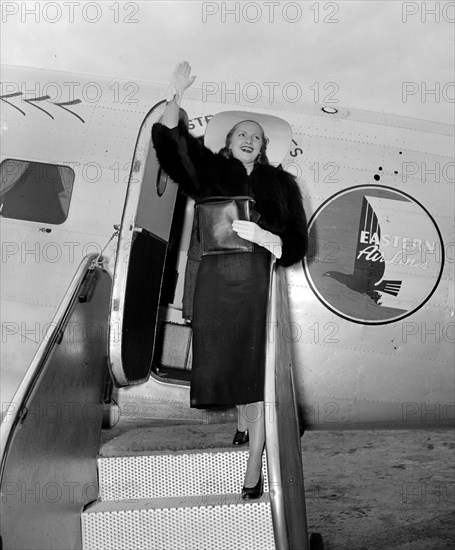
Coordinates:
(146,321)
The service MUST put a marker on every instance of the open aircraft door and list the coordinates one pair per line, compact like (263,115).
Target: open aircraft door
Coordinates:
(141,253)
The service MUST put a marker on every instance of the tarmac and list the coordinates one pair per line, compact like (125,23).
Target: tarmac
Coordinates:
(365,489)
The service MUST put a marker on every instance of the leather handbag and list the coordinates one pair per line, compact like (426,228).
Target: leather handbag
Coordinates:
(215,217)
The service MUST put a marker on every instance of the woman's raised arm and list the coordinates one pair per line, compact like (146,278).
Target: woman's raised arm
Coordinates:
(180,81)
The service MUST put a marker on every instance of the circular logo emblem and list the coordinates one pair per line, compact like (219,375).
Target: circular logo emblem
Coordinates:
(376,255)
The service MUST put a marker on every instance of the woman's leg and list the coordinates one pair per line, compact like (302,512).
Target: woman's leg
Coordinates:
(241,436)
(254,416)
(241,420)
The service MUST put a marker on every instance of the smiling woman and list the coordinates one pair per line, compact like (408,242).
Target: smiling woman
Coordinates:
(232,284)
(246,142)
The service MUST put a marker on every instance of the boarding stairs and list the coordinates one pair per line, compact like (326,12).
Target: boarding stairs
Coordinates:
(190,498)
(177,500)
(182,498)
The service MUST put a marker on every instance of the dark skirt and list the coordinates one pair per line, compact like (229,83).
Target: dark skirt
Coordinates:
(229,329)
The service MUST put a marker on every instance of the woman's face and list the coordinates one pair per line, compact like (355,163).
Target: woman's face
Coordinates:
(246,141)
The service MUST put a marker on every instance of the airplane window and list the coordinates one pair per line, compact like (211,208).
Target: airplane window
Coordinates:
(329,110)
(161,181)
(34,191)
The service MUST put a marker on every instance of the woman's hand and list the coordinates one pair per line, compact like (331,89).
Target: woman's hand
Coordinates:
(180,81)
(251,231)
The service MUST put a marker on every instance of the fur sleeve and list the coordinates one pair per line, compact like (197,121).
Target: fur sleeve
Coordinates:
(295,236)
(183,156)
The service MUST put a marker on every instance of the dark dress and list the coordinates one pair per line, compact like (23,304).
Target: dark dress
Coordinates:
(229,322)
(231,293)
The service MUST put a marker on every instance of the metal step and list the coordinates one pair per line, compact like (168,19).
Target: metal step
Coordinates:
(208,522)
(173,474)
(177,500)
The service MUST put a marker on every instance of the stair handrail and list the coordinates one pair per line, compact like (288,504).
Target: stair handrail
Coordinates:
(15,408)
(289,518)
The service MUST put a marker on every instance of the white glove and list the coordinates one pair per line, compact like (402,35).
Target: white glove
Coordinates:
(180,81)
(251,231)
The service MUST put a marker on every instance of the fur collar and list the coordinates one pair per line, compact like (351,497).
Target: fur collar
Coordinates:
(269,186)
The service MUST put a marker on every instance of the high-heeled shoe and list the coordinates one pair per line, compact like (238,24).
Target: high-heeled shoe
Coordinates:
(249,493)
(241,438)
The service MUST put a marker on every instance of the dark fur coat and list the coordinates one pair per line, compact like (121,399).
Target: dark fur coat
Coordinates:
(202,173)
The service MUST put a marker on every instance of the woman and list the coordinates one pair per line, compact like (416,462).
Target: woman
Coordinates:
(231,294)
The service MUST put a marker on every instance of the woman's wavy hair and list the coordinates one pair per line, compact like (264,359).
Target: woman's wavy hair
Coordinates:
(261,158)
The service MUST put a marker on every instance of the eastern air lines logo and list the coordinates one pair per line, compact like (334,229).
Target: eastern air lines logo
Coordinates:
(376,255)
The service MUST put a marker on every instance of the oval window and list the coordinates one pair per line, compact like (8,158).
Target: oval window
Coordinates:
(161,182)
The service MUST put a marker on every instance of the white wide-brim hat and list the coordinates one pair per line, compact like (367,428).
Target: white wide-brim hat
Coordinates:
(277,130)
